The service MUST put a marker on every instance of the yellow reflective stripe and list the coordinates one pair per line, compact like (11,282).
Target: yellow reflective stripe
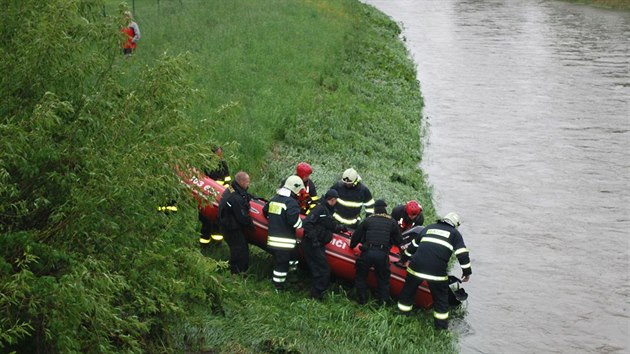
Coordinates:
(426,276)
(349,203)
(227,179)
(276,208)
(439,242)
(405,308)
(407,252)
(315,198)
(167,208)
(461,250)
(370,203)
(346,221)
(369,210)
(279,274)
(440,316)
(298,223)
(217,237)
(281,242)
(204,240)
(414,243)
(438,232)
(465,266)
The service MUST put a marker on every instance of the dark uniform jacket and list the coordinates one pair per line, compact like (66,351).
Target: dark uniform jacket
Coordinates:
(283,213)
(377,231)
(350,202)
(221,174)
(319,225)
(404,222)
(431,250)
(234,208)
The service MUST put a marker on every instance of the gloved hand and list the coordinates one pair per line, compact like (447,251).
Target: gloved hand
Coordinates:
(342,229)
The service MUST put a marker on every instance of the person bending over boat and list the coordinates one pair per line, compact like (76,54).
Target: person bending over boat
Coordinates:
(210,229)
(430,252)
(319,226)
(353,197)
(283,213)
(235,219)
(408,215)
(377,233)
(308,196)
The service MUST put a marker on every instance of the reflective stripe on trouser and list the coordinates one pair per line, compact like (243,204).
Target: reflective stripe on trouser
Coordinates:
(168,208)
(408,293)
(281,259)
(439,293)
(213,237)
(281,242)
(293,264)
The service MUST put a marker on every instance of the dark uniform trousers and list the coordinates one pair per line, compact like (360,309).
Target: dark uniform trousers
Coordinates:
(439,294)
(210,231)
(316,259)
(239,251)
(379,259)
(283,261)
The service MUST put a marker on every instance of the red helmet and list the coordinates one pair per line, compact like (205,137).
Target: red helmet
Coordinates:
(303,170)
(413,208)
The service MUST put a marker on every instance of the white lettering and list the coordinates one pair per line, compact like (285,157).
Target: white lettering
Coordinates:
(339,243)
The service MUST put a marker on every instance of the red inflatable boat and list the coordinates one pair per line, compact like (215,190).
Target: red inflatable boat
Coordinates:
(338,252)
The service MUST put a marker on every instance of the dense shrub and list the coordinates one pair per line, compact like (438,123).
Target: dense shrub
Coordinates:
(87,153)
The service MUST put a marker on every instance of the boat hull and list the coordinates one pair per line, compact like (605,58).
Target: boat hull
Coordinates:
(340,256)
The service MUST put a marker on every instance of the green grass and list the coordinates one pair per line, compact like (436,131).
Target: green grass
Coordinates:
(279,82)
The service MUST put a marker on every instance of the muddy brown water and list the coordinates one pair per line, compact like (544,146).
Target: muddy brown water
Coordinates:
(528,125)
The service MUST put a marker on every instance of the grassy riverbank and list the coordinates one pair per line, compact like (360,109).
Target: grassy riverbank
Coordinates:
(87,264)
(608,4)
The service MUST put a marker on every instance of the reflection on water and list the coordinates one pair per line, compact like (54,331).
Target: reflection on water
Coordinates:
(529,140)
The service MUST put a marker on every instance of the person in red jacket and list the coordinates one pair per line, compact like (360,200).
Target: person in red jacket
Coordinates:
(132,32)
(307,198)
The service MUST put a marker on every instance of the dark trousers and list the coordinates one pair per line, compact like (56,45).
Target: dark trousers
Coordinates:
(209,230)
(379,259)
(320,270)
(239,250)
(439,294)
(281,264)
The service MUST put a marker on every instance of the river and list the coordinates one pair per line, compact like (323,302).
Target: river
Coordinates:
(528,139)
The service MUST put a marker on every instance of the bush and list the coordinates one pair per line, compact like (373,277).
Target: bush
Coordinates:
(88,152)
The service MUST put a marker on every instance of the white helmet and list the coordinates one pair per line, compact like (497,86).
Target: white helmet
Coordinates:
(294,184)
(350,176)
(452,219)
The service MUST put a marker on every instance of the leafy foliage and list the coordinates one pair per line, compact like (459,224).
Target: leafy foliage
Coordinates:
(88,153)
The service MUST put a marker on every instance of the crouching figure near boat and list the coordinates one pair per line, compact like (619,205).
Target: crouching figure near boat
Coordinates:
(430,252)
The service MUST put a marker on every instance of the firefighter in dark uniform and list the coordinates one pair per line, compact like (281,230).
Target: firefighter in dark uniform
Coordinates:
(308,196)
(319,226)
(430,252)
(377,233)
(210,229)
(235,220)
(283,213)
(408,215)
(353,196)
